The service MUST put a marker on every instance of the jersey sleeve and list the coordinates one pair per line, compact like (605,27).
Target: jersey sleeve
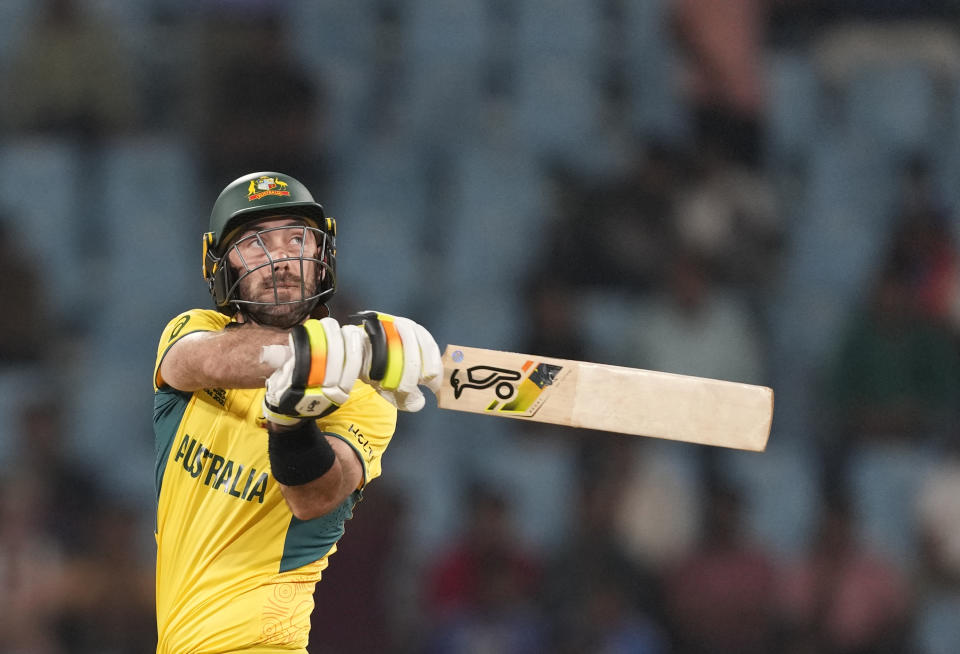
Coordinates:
(195,320)
(366,422)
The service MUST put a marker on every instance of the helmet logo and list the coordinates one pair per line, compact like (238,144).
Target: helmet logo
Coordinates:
(263,186)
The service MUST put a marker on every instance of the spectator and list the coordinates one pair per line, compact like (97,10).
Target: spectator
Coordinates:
(658,508)
(936,629)
(367,560)
(24,335)
(617,234)
(728,216)
(554,328)
(864,41)
(108,594)
(924,250)
(696,328)
(481,592)
(488,535)
(843,598)
(501,617)
(31,568)
(722,41)
(719,599)
(938,518)
(257,106)
(42,451)
(896,374)
(598,599)
(72,76)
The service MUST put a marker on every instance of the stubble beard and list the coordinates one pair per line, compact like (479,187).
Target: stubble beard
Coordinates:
(270,314)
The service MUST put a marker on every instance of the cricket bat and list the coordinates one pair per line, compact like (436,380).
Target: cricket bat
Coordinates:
(605,397)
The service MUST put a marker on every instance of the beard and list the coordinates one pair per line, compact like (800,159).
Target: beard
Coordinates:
(267,311)
(281,316)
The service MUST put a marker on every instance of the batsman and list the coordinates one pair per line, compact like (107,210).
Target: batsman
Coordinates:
(270,419)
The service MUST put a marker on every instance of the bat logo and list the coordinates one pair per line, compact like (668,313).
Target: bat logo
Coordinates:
(480,377)
(523,388)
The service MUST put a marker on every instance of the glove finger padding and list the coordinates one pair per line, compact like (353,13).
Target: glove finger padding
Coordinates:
(318,375)
(431,361)
(354,342)
(403,355)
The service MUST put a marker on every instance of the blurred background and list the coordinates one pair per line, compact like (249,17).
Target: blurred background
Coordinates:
(757,190)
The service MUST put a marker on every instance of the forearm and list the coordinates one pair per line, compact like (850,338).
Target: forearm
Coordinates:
(325,493)
(229,358)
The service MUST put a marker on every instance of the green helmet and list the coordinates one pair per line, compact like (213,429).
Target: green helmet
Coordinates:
(255,197)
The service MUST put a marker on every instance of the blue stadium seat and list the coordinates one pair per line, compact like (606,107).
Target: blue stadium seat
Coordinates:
(497,216)
(794,109)
(838,229)
(782,488)
(895,107)
(18,15)
(110,422)
(884,482)
(153,215)
(555,27)
(445,47)
(937,629)
(603,318)
(558,104)
(658,107)
(837,235)
(946,154)
(379,200)
(321,30)
(559,76)
(483,315)
(336,42)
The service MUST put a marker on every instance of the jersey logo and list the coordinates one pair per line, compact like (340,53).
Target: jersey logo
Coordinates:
(264,186)
(179,327)
(218,394)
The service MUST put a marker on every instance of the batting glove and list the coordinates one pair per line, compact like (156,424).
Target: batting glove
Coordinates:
(401,355)
(318,373)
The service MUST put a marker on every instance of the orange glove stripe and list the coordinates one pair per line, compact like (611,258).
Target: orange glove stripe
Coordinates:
(318,352)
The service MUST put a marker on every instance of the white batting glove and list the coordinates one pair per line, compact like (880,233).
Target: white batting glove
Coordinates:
(400,356)
(322,363)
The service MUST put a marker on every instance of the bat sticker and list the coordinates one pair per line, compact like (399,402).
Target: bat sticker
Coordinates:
(516,393)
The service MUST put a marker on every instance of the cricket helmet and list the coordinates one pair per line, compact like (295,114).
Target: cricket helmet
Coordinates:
(255,197)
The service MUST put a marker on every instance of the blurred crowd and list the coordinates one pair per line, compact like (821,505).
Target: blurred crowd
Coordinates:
(755,190)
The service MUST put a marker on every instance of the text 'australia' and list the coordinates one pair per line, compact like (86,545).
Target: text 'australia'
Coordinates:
(220,473)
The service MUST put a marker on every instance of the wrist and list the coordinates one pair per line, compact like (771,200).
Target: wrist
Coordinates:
(280,421)
(275,427)
(299,454)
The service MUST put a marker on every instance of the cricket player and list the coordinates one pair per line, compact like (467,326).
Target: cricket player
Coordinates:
(270,419)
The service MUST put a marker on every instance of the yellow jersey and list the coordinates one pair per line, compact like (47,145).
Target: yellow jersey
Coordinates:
(236,571)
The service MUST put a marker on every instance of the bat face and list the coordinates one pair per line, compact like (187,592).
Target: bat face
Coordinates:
(608,398)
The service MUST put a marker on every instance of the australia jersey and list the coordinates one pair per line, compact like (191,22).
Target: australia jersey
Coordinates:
(236,570)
